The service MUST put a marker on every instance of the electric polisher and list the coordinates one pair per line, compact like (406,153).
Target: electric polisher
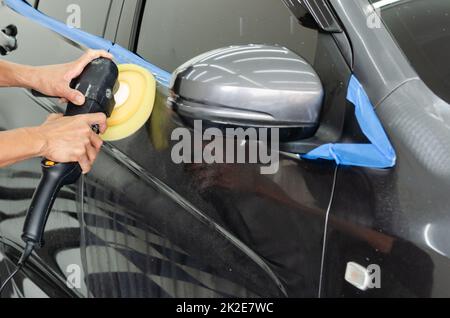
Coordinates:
(125,94)
(97,82)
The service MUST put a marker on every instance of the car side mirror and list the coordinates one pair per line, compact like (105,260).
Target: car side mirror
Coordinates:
(249,86)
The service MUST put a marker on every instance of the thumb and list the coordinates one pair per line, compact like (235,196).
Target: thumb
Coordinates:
(74,96)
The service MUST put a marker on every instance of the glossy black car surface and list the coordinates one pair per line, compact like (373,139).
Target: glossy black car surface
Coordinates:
(140,225)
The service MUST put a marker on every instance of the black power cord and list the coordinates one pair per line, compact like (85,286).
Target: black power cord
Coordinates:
(29,248)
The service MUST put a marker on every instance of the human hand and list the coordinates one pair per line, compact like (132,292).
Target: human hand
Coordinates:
(54,80)
(71,139)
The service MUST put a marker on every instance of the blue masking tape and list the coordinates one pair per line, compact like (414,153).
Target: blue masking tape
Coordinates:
(91,41)
(378,154)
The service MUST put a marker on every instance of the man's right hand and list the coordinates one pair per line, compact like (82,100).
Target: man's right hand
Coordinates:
(71,139)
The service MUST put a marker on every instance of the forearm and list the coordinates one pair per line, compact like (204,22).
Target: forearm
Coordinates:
(20,144)
(16,75)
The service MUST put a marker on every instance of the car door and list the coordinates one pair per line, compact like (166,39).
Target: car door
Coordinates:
(148,227)
(280,217)
(112,234)
(46,273)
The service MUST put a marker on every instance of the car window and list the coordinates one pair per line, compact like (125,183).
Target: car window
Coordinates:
(422,30)
(174,31)
(88,15)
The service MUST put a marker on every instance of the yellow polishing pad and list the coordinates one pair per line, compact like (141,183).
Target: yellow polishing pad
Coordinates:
(135,98)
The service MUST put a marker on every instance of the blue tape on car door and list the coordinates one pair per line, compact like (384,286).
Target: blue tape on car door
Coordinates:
(378,154)
(91,41)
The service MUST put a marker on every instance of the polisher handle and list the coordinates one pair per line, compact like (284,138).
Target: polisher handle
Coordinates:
(54,177)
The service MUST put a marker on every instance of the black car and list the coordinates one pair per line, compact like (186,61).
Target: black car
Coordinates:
(140,225)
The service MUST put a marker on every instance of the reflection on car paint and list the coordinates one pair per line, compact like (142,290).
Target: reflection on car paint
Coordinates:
(140,246)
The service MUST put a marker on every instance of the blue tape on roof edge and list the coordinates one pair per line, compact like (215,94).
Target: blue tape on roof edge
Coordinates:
(378,154)
(121,54)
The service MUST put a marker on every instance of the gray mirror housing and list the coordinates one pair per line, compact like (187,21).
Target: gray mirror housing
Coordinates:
(248,86)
